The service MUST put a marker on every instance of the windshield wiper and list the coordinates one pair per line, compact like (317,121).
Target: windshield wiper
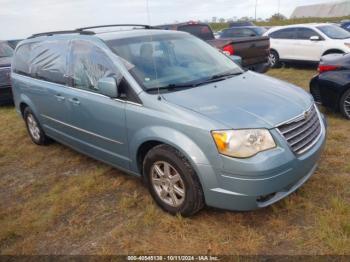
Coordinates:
(214,78)
(171,87)
(218,77)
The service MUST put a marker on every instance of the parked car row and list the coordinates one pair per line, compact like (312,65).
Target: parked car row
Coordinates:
(306,42)
(6,53)
(254,51)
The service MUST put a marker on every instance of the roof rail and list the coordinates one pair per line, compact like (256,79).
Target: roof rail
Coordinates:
(116,25)
(62,32)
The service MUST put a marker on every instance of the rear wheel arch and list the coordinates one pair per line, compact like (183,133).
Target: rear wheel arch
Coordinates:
(333,51)
(22,107)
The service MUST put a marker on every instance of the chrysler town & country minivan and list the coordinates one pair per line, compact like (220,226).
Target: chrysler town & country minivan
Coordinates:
(168,107)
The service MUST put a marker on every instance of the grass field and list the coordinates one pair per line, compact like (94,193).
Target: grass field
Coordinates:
(56,201)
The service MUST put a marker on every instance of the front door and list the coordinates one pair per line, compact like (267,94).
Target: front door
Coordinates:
(97,121)
(306,49)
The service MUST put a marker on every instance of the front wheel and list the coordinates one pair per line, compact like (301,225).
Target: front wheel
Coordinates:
(274,59)
(345,104)
(172,181)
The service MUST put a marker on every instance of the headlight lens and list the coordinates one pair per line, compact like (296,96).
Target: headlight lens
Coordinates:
(243,143)
(347,45)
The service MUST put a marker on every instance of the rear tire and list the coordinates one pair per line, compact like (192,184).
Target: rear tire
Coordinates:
(274,59)
(344,104)
(172,181)
(34,129)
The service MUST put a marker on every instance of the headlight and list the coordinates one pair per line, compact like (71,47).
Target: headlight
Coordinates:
(243,143)
(347,45)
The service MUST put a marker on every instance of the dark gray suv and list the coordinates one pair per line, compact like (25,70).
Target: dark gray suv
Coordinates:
(6,53)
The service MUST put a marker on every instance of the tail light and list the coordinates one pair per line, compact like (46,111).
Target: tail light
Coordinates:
(326,68)
(228,50)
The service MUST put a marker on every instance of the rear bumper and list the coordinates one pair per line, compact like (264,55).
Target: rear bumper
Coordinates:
(262,180)
(6,95)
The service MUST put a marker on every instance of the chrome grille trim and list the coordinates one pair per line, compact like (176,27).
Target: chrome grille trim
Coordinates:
(302,133)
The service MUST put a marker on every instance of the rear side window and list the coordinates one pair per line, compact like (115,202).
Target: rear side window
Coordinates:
(306,33)
(48,61)
(288,33)
(202,31)
(42,60)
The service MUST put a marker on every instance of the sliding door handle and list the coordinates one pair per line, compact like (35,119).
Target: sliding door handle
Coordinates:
(59,97)
(74,101)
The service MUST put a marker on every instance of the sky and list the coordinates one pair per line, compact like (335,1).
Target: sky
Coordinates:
(21,18)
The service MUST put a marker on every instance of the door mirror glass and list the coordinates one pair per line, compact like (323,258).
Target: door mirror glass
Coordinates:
(315,38)
(108,87)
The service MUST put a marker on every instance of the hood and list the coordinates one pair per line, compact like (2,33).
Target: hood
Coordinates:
(249,100)
(5,61)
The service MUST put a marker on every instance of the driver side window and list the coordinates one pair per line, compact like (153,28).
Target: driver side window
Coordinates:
(89,64)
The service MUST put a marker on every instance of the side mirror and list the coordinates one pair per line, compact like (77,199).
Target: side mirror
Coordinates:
(315,38)
(108,87)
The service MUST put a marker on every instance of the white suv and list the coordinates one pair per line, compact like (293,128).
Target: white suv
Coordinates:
(306,42)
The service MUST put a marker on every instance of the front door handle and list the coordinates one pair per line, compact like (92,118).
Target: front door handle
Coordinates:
(59,97)
(74,101)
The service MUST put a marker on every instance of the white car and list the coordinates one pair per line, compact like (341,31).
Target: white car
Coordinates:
(306,42)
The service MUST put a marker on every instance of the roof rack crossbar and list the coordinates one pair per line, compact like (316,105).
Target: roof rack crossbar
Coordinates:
(62,32)
(115,25)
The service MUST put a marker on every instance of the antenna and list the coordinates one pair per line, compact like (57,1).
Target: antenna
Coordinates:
(151,37)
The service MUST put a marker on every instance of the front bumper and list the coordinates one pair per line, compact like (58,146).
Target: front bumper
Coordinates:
(262,180)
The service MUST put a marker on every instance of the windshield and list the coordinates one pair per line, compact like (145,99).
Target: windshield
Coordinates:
(167,60)
(5,50)
(334,32)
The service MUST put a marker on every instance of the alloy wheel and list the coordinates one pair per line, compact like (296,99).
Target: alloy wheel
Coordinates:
(33,127)
(347,106)
(168,183)
(272,59)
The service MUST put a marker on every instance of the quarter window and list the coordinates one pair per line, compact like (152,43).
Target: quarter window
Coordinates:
(90,64)
(21,60)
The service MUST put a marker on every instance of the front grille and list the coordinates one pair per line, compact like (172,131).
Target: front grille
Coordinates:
(302,134)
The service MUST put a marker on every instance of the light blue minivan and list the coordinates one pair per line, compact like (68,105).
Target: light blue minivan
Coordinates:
(168,107)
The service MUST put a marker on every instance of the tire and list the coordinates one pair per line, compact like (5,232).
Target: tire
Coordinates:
(274,59)
(344,104)
(182,194)
(34,129)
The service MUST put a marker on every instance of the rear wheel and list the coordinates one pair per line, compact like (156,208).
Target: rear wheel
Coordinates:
(274,59)
(345,104)
(35,131)
(172,181)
